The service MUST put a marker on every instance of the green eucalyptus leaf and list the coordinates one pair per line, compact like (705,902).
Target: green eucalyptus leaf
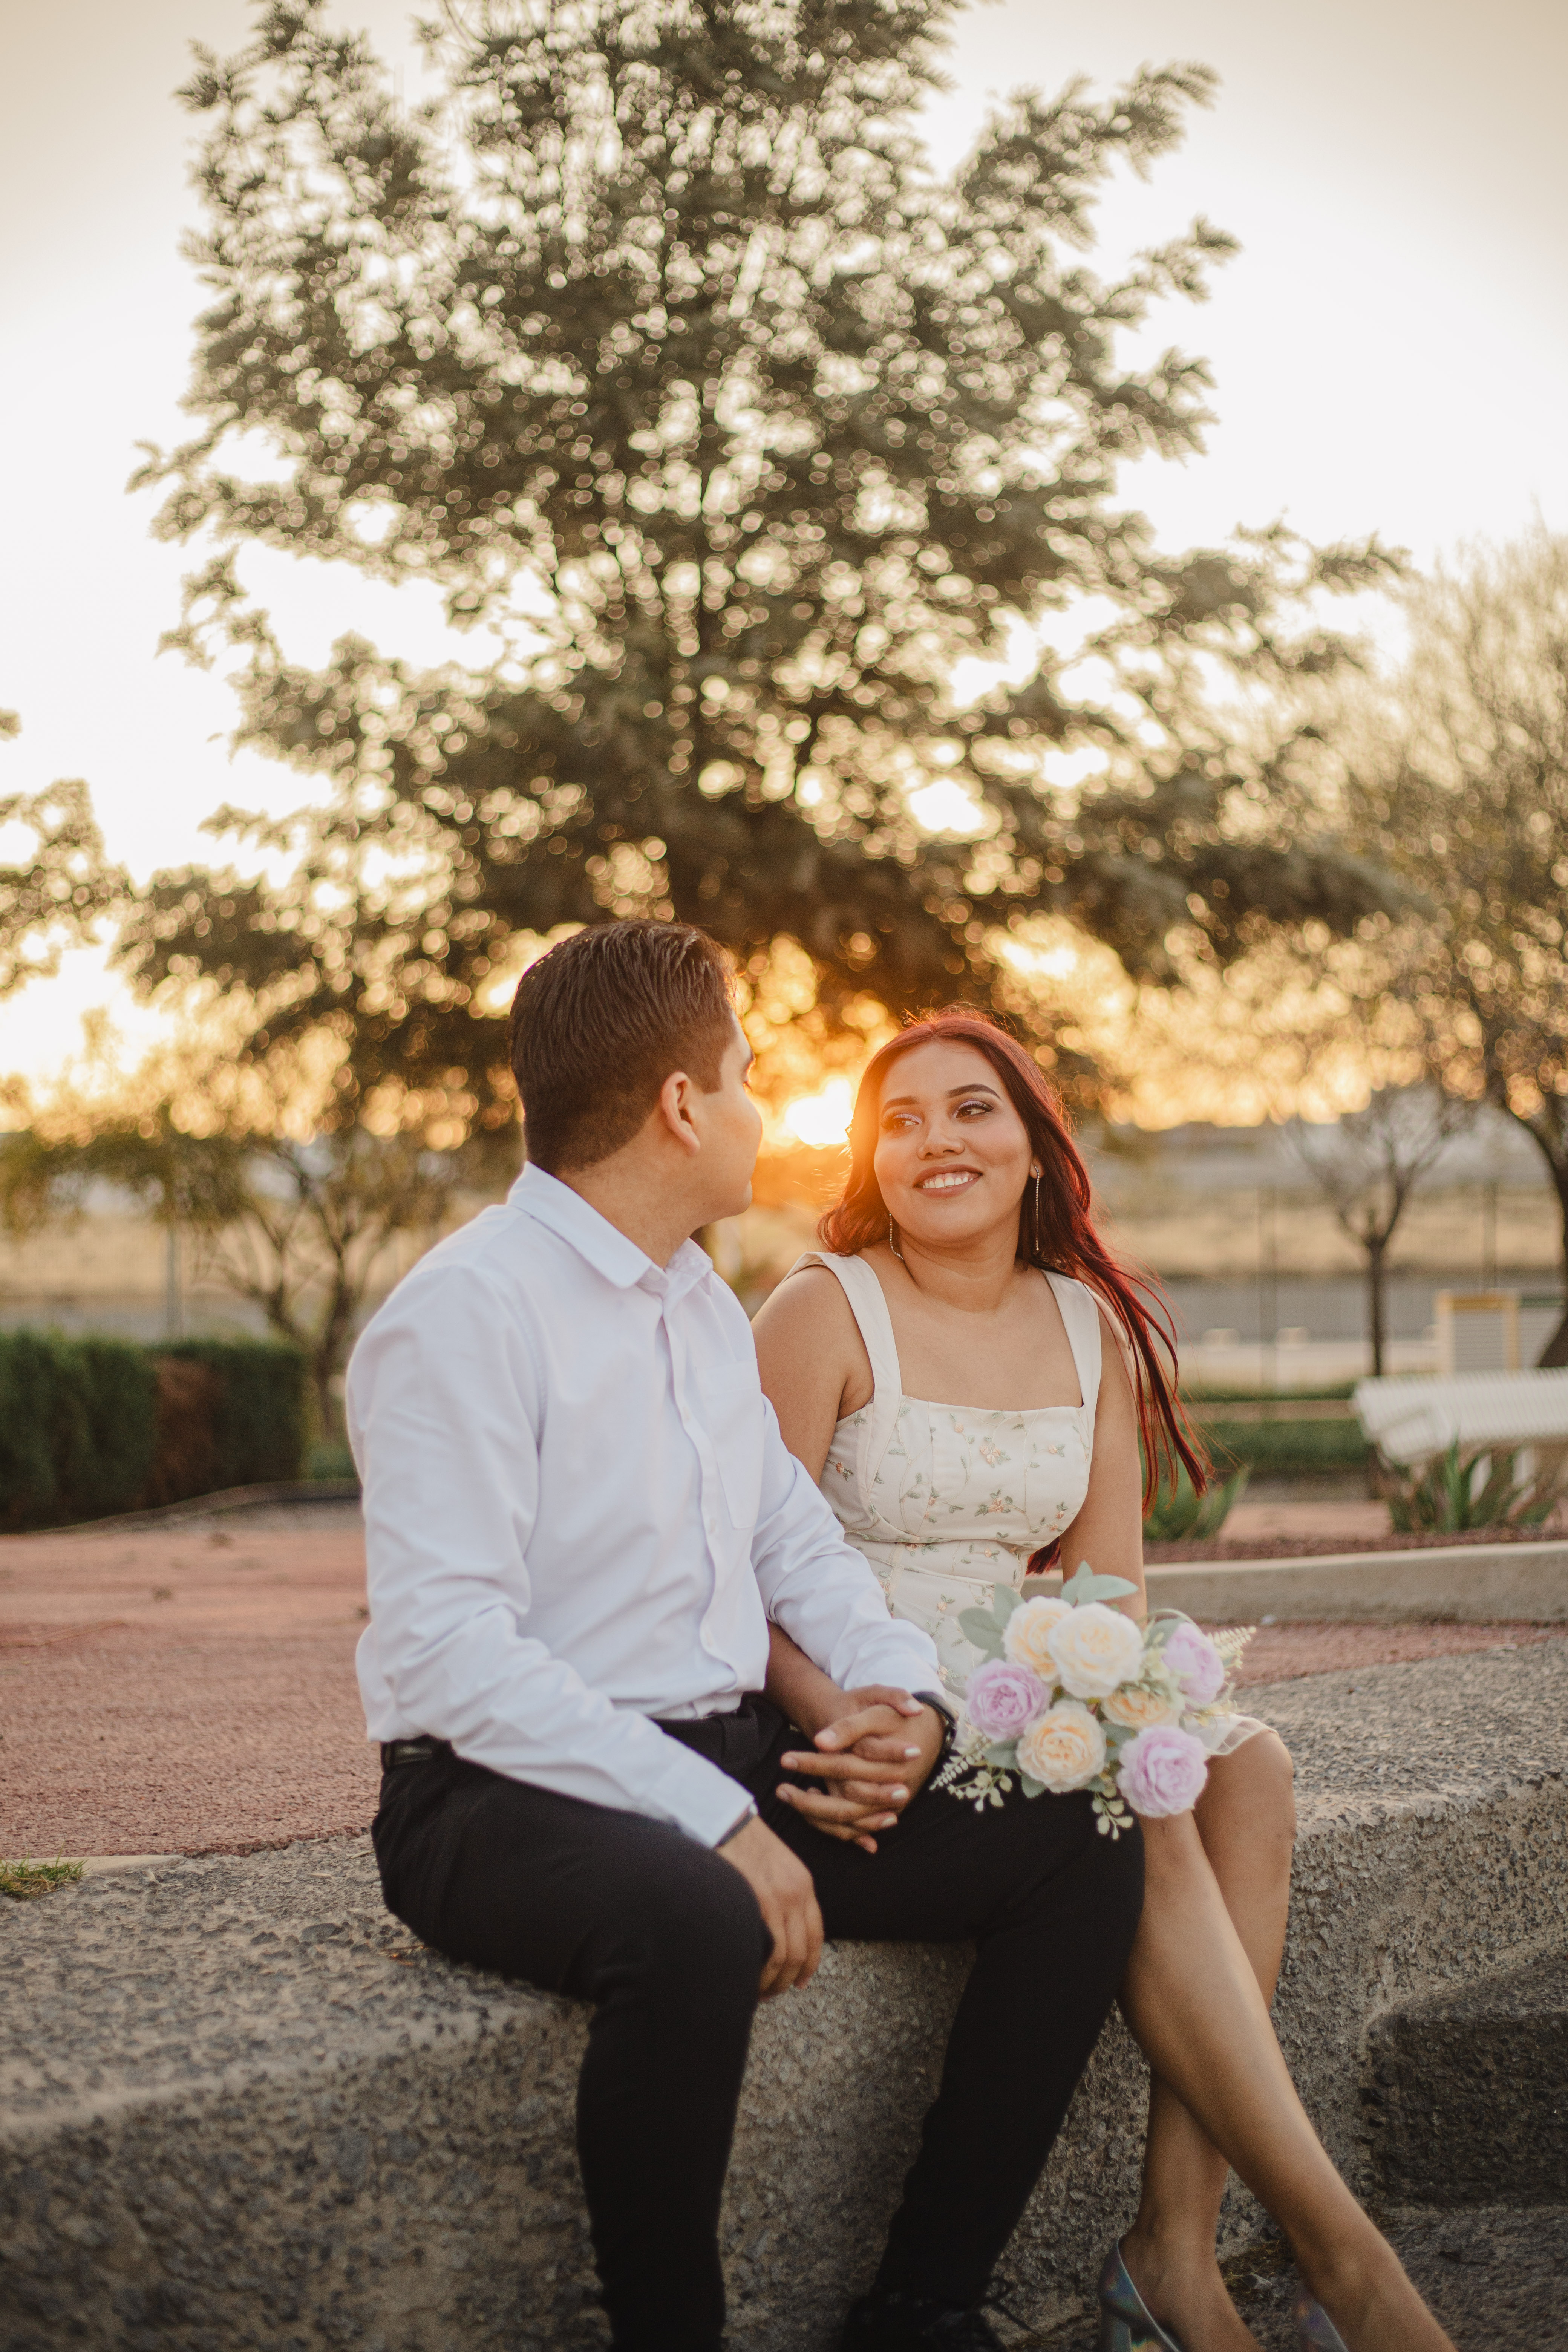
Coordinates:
(977,1625)
(1087,1586)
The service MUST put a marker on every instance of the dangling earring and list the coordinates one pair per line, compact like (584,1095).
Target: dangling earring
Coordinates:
(893,1238)
(1034,1236)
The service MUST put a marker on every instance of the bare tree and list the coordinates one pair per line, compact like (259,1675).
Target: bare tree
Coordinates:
(316,1230)
(305,1231)
(1460,785)
(1368,1165)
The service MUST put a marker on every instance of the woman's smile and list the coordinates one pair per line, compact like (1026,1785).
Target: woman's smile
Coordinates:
(947,1180)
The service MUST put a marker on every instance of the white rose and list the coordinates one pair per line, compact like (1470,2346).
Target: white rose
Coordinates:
(1065,1747)
(1136,1708)
(1095,1648)
(1026,1639)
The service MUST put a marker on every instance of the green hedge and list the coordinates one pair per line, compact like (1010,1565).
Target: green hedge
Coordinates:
(1284,1449)
(93,1427)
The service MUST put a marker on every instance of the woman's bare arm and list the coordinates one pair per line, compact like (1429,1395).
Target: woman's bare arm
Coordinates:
(1109,1529)
(810,1355)
(812,1361)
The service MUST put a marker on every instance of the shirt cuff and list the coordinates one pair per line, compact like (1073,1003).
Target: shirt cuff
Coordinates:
(699,1797)
(906,1660)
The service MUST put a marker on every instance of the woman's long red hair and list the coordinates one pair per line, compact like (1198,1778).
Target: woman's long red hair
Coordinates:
(1059,1236)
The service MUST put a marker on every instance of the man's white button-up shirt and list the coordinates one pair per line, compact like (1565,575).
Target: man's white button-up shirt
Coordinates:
(580,1514)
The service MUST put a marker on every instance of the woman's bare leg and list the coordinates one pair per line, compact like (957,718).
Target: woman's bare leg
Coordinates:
(1192,1996)
(1247,1822)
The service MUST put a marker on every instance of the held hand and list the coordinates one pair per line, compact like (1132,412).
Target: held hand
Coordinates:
(873,1758)
(787,1900)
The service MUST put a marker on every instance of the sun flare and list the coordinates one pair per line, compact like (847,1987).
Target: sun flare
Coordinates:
(821,1119)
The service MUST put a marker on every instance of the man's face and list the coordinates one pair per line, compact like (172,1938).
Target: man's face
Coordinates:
(731,1127)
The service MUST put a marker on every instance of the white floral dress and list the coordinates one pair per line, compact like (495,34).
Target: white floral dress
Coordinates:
(947,1500)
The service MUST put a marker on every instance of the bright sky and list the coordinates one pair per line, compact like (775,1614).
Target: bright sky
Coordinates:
(1391,347)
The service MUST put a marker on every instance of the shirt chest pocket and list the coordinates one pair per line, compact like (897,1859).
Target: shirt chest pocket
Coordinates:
(732,1404)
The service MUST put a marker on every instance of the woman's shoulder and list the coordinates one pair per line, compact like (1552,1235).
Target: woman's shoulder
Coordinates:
(805,1330)
(807,1298)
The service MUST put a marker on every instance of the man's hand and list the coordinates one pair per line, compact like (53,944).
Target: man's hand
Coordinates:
(787,1901)
(873,1756)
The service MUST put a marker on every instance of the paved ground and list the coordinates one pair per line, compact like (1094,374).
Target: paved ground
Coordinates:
(191,1690)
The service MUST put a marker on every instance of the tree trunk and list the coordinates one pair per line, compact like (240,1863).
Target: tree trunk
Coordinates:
(1554,1355)
(1376,1303)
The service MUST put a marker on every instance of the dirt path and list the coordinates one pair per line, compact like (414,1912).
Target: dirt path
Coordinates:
(193,1690)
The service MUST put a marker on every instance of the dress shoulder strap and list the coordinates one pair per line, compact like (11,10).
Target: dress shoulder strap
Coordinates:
(1081,1316)
(869,1309)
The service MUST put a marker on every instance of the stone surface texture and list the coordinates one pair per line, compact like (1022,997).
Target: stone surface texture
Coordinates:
(1469,2092)
(243,2108)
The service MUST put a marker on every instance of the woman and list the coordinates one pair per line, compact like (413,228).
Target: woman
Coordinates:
(969,1375)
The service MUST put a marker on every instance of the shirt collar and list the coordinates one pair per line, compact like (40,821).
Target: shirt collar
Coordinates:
(606,1249)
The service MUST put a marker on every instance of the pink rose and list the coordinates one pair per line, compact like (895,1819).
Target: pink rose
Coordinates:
(1162,1772)
(1003,1698)
(1196,1664)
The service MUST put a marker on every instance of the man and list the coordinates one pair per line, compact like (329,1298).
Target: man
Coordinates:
(580,1516)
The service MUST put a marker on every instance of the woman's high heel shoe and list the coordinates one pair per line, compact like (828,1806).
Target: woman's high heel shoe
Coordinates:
(1315,2331)
(1126,2324)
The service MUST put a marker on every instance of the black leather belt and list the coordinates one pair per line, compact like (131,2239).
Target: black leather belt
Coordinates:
(412,1751)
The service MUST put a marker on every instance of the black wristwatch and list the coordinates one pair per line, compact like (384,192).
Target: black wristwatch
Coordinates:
(940,1704)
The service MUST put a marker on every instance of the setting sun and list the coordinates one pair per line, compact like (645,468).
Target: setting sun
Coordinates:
(822,1119)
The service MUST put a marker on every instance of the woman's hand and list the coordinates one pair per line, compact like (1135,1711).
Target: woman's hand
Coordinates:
(874,1750)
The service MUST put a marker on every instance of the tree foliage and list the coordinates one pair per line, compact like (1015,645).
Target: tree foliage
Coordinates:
(1463,789)
(56,893)
(654,342)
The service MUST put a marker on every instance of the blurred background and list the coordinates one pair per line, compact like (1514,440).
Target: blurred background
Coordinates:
(968,504)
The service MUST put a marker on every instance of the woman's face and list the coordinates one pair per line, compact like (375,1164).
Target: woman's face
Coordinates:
(952,1155)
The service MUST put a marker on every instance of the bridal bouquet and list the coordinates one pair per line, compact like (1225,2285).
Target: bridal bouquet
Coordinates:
(1073,1694)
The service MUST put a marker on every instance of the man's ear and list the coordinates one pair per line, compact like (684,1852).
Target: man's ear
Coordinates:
(673,1109)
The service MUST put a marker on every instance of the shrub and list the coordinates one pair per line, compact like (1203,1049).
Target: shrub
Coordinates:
(258,1433)
(77,1427)
(93,1427)
(1477,1488)
(1179,1512)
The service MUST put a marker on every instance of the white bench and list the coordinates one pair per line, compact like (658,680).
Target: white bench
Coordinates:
(1411,1419)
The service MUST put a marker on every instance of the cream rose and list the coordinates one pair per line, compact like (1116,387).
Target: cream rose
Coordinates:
(1026,1639)
(1065,1747)
(1136,1709)
(1095,1648)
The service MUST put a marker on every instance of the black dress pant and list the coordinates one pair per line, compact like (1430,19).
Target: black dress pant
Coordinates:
(664,1938)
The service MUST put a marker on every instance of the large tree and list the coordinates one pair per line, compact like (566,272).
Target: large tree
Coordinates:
(656,343)
(1460,783)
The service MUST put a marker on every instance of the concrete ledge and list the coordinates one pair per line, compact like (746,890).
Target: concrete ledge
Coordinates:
(242,2109)
(207,1506)
(1466,1584)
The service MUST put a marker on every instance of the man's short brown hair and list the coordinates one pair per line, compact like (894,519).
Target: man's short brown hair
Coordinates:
(598,1025)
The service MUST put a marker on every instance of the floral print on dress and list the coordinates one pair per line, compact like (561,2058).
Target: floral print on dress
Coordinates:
(958,1502)
(962,1496)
